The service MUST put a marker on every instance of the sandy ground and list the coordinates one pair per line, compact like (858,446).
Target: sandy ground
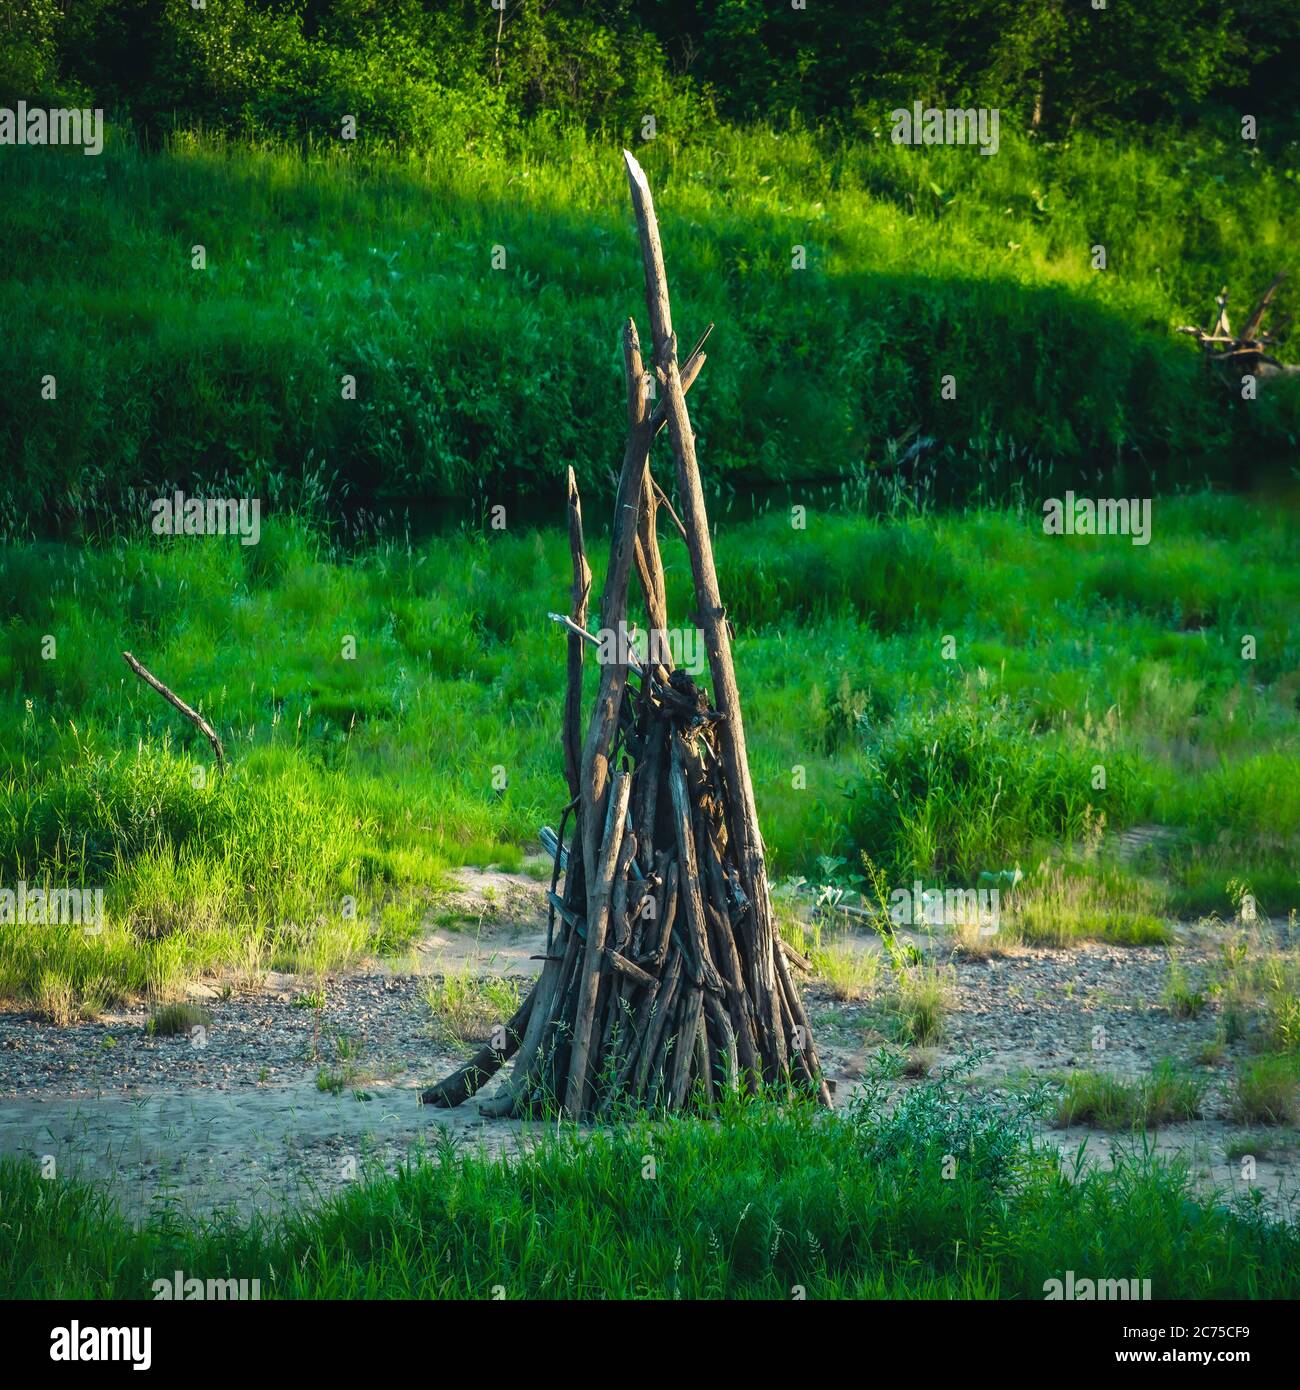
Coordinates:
(233,1118)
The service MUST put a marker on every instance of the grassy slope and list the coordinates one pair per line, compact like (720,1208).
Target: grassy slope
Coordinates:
(365,778)
(920,263)
(764,1203)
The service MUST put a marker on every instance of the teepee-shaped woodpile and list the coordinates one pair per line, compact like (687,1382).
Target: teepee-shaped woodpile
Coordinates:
(665,982)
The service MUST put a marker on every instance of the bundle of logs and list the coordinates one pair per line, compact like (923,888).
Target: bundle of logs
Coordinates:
(665,983)
(1245,352)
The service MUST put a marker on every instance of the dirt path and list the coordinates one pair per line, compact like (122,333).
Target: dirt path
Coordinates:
(303,1086)
(235,1114)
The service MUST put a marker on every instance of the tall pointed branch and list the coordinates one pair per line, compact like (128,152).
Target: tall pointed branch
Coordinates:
(613,604)
(713,620)
(578,615)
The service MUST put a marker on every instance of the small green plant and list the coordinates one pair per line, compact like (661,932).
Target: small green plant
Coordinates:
(1282,1022)
(1103,1100)
(1266,1091)
(466,1007)
(1060,904)
(310,999)
(172,1019)
(1250,1145)
(847,969)
(346,1071)
(923,994)
(920,1062)
(1181,999)
(56,999)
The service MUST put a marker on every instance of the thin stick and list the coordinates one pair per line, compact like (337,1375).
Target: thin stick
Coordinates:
(191,714)
(613,606)
(573,693)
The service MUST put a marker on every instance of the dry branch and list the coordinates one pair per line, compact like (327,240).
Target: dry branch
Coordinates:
(175,700)
(578,615)
(717,640)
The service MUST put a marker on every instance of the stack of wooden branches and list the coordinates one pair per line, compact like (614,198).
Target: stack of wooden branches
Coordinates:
(665,982)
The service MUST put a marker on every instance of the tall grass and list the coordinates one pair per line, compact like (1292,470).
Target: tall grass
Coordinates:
(940,1197)
(356,783)
(380,267)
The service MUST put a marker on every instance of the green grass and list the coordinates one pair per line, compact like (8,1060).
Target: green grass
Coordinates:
(172,1019)
(332,262)
(935,1199)
(1261,1145)
(355,784)
(920,1003)
(1182,998)
(1258,985)
(1071,898)
(466,1007)
(1104,1101)
(1266,1091)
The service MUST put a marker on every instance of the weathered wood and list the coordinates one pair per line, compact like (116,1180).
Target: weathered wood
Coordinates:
(650,573)
(637,1037)
(800,1018)
(578,615)
(546,994)
(1243,351)
(1251,331)
(674,1006)
(742,810)
(739,1005)
(630,969)
(657,1024)
(613,607)
(668,916)
(176,702)
(702,1067)
(662,498)
(679,1085)
(484,1064)
(648,798)
(619,927)
(609,1001)
(597,921)
(697,929)
(728,1054)
(794,957)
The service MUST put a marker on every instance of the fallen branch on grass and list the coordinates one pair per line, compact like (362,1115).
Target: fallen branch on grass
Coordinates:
(175,700)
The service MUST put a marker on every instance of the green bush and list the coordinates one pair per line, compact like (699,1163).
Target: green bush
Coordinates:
(972,785)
